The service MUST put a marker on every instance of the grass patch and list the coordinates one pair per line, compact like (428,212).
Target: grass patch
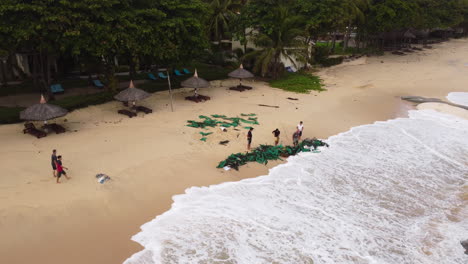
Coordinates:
(10,115)
(28,87)
(298,82)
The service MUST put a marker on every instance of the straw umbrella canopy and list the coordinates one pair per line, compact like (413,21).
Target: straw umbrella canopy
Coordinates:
(195,82)
(240,74)
(42,111)
(132,94)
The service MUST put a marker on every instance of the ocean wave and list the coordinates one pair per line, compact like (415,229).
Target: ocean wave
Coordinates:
(390,192)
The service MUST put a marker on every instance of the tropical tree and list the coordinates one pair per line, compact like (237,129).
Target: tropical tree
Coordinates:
(280,35)
(223,12)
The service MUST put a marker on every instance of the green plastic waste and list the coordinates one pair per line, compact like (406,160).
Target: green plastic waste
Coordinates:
(205,134)
(264,153)
(203,139)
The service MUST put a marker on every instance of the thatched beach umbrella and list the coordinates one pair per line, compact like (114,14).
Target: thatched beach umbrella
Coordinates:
(241,73)
(42,111)
(132,94)
(195,82)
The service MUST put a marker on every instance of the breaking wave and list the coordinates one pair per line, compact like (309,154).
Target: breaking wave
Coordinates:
(390,192)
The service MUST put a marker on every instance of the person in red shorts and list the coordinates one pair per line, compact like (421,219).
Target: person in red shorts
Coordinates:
(60,170)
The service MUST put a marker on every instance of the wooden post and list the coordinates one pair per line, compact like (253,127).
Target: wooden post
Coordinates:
(170,89)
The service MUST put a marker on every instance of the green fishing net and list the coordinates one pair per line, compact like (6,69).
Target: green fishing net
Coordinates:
(264,153)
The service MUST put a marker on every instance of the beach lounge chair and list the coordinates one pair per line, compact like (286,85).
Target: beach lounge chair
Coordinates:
(98,84)
(56,88)
(58,129)
(198,99)
(29,128)
(127,113)
(152,77)
(177,72)
(186,71)
(162,75)
(143,109)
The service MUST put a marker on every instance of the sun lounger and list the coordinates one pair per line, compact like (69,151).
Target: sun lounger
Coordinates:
(186,71)
(98,84)
(197,99)
(240,88)
(58,129)
(152,77)
(177,72)
(127,113)
(29,128)
(160,74)
(56,88)
(143,109)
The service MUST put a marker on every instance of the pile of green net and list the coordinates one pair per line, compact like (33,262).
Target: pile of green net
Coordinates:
(264,153)
(222,120)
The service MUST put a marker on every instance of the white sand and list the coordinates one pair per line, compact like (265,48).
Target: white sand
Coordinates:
(152,157)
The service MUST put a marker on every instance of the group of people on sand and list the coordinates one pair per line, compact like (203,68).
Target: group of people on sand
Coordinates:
(57,168)
(276,133)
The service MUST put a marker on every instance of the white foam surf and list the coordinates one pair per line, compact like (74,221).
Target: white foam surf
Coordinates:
(460,98)
(389,192)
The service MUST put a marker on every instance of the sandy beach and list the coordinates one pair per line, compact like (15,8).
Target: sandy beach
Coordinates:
(152,157)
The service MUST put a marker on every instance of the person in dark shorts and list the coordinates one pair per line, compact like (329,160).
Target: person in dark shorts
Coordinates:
(54,162)
(249,138)
(296,137)
(60,169)
(276,134)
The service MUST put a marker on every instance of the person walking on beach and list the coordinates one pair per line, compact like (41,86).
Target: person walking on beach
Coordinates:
(60,170)
(296,137)
(300,128)
(276,134)
(249,138)
(54,162)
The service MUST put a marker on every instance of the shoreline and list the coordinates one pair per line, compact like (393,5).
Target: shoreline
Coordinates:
(151,158)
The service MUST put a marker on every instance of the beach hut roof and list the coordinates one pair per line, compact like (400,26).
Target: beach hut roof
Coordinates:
(241,73)
(131,94)
(195,82)
(42,111)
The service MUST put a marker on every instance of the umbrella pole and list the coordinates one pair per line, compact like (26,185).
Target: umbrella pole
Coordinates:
(170,89)
(240,82)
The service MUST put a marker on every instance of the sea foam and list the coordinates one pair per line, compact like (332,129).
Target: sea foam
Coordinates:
(460,98)
(390,192)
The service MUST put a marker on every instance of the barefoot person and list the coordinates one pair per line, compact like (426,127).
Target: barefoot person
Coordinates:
(276,134)
(60,170)
(249,138)
(296,138)
(300,128)
(54,162)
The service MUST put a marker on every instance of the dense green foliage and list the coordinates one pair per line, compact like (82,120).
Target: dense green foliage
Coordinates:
(89,36)
(298,82)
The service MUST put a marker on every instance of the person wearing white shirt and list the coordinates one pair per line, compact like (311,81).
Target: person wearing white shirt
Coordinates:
(300,128)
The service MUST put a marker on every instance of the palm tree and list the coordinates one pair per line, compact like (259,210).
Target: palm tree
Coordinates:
(355,12)
(222,14)
(284,39)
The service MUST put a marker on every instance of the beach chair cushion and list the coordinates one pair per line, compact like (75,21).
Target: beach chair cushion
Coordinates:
(55,127)
(152,77)
(177,72)
(98,83)
(143,109)
(56,88)
(162,75)
(30,129)
(127,113)
(186,71)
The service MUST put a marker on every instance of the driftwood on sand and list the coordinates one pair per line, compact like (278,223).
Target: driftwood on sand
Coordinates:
(273,106)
